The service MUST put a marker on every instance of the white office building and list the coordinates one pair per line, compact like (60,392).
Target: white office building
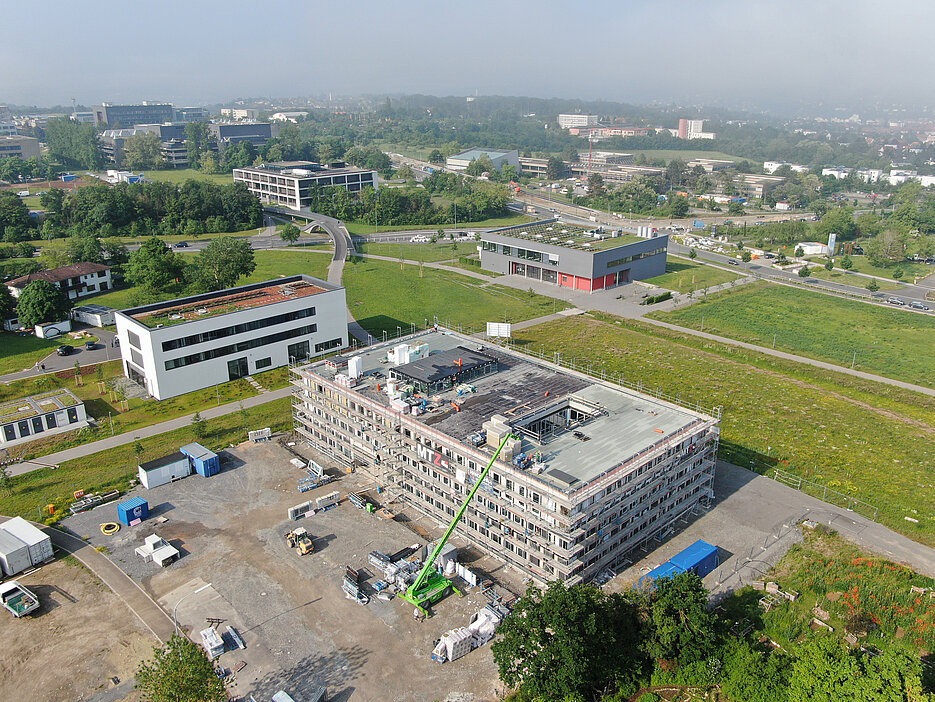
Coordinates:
(498,158)
(174,347)
(297,184)
(567,121)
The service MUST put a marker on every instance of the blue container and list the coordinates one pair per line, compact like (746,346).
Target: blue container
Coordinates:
(700,558)
(666,570)
(203,461)
(135,509)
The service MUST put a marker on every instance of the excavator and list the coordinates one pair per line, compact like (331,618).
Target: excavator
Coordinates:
(430,585)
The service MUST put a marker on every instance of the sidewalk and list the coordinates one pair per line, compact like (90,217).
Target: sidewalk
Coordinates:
(143,433)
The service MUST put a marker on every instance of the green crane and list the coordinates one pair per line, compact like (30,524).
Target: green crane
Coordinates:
(431,586)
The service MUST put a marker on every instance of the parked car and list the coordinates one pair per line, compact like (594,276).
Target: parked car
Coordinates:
(895,301)
(182,245)
(64,350)
(89,345)
(916,305)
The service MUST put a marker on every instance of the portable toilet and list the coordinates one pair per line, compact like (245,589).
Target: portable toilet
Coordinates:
(133,511)
(38,543)
(14,554)
(204,461)
(700,558)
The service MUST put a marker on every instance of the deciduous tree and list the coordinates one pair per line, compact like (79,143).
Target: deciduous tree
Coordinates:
(682,629)
(179,672)
(41,301)
(224,260)
(155,267)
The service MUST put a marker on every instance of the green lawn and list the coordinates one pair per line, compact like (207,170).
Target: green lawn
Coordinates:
(865,439)
(684,275)
(381,296)
(32,202)
(270,265)
(910,269)
(182,174)
(838,275)
(21,352)
(846,582)
(442,251)
(114,468)
(889,342)
(364,228)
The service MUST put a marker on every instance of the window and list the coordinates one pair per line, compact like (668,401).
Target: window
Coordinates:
(134,339)
(328,345)
(9,432)
(264,363)
(219,351)
(72,415)
(298,351)
(489,246)
(50,421)
(37,425)
(242,328)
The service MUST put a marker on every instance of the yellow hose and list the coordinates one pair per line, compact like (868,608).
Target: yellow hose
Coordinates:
(108,528)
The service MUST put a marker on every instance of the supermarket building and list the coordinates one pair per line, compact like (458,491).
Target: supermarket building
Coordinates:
(573,256)
(596,470)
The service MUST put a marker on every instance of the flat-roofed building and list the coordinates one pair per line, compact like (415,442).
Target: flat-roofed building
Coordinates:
(710,165)
(31,418)
(565,120)
(19,146)
(295,184)
(755,185)
(498,158)
(195,342)
(227,133)
(117,116)
(595,469)
(572,256)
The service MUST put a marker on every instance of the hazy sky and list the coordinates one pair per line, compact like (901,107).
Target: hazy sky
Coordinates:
(206,51)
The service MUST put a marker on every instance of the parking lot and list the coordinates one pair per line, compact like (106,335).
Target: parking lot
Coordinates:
(297,624)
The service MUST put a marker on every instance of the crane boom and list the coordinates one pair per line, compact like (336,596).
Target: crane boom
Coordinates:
(428,585)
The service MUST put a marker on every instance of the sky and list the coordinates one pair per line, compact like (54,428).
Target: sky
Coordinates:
(734,53)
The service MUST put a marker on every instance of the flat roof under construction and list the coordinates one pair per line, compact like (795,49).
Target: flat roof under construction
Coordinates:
(611,424)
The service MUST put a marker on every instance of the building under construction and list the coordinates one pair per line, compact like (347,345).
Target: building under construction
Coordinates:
(596,468)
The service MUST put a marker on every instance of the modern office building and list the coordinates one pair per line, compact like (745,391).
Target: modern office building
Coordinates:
(594,470)
(123,116)
(172,135)
(227,133)
(19,146)
(497,157)
(31,418)
(693,129)
(572,256)
(567,121)
(240,113)
(753,185)
(293,183)
(76,280)
(195,342)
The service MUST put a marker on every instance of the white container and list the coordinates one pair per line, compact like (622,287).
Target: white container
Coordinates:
(401,354)
(212,642)
(355,367)
(37,542)
(14,555)
(459,642)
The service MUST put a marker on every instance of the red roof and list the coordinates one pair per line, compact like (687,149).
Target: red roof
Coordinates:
(57,275)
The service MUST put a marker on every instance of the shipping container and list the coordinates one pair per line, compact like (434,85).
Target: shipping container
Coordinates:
(204,461)
(666,570)
(133,511)
(37,541)
(14,554)
(700,558)
(164,470)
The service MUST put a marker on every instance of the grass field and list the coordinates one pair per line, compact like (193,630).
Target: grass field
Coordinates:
(269,266)
(442,251)
(364,228)
(889,342)
(21,352)
(381,296)
(860,591)
(182,174)
(838,275)
(910,269)
(865,439)
(114,468)
(684,275)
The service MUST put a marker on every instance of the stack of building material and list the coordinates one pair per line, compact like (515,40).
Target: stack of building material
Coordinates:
(301,510)
(327,501)
(213,643)
(157,550)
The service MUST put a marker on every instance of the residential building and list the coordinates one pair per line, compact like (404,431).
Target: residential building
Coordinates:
(693,129)
(77,280)
(497,157)
(566,121)
(294,184)
(870,175)
(31,418)
(195,342)
(19,146)
(117,116)
(571,256)
(837,172)
(593,469)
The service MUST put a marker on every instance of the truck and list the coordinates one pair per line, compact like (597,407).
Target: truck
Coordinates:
(18,600)
(301,541)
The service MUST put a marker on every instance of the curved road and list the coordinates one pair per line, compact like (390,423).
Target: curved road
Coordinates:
(141,604)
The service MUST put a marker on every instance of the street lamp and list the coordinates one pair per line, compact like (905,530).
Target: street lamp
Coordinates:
(175,609)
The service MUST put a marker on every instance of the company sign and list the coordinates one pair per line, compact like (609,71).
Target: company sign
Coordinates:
(427,455)
(832,240)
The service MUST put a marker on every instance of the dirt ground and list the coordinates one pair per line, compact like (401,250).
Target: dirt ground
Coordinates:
(298,626)
(71,647)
